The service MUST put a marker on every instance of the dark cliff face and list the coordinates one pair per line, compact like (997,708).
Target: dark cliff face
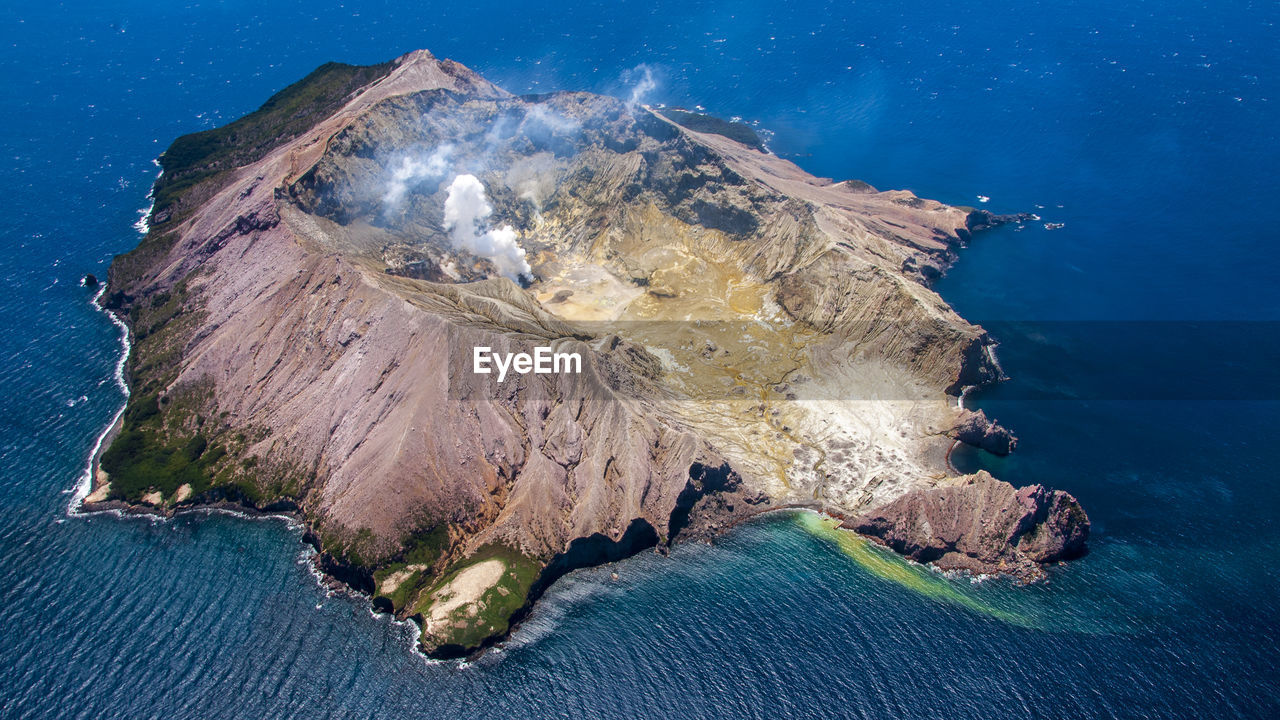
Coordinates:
(305,309)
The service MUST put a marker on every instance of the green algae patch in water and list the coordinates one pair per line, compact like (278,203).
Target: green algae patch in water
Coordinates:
(887,566)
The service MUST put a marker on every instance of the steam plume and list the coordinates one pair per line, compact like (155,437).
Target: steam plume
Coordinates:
(413,170)
(645,85)
(465,211)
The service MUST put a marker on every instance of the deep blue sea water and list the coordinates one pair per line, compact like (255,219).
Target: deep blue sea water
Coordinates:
(1148,129)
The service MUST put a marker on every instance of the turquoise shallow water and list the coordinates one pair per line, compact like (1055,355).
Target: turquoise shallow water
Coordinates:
(1149,130)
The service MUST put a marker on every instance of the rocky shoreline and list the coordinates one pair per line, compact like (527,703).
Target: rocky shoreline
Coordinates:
(903,534)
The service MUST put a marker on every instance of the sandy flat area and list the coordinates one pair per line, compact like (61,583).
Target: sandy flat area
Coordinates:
(103,483)
(392,582)
(465,589)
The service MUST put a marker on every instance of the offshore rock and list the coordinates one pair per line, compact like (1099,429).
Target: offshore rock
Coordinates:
(985,219)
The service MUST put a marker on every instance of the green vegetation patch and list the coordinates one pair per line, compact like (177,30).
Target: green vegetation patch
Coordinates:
(697,122)
(425,548)
(409,583)
(172,437)
(258,485)
(161,450)
(161,325)
(412,568)
(470,624)
(164,442)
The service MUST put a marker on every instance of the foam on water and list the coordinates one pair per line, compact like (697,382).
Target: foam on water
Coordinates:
(82,488)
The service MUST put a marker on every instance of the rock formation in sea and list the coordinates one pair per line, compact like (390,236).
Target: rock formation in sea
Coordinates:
(981,524)
(974,428)
(306,307)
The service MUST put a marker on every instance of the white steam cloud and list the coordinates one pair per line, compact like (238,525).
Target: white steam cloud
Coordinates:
(533,179)
(645,85)
(413,170)
(465,211)
(542,117)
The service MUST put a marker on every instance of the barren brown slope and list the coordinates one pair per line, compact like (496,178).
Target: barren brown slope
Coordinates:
(751,337)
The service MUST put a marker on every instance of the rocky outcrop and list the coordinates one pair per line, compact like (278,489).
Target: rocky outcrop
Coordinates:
(981,524)
(985,219)
(976,429)
(306,305)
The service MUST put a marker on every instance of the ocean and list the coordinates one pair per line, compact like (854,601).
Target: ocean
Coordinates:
(1140,339)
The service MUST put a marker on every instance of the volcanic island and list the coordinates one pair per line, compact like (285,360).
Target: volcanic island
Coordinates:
(306,311)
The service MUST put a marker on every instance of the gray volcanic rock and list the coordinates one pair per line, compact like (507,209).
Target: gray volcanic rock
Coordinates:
(980,524)
(974,428)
